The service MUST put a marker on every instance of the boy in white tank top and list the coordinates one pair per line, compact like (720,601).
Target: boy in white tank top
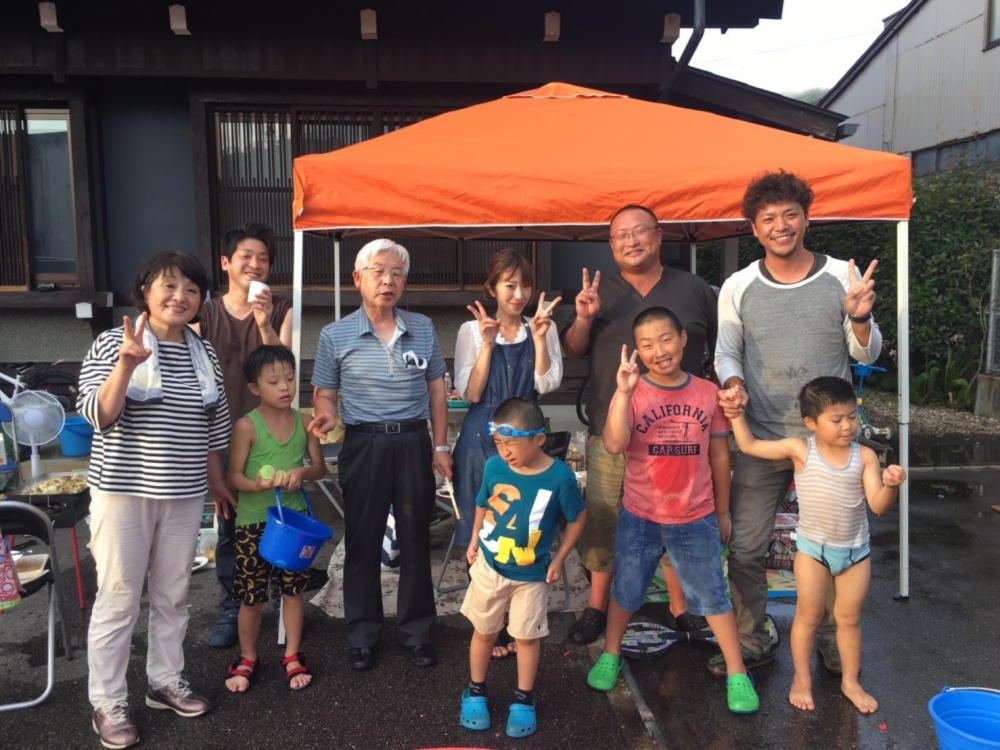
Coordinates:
(834,477)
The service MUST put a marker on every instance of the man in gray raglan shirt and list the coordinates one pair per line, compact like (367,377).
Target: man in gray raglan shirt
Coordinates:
(784,320)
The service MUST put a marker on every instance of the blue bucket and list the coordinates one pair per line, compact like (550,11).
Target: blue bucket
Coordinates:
(291,539)
(76,437)
(966,718)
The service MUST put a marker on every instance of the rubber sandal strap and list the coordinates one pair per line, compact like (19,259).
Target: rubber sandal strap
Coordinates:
(242,667)
(303,668)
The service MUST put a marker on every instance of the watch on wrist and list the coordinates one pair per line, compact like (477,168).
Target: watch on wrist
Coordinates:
(861,318)
(443,448)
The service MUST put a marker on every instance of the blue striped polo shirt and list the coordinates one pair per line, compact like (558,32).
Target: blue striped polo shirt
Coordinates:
(376,383)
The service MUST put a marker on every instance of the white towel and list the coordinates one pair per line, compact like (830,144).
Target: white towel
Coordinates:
(146,384)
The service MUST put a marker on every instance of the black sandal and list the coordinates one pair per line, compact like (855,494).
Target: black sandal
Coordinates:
(504,639)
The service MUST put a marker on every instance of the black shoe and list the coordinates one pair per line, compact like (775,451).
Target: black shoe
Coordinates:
(689,623)
(589,627)
(422,655)
(361,658)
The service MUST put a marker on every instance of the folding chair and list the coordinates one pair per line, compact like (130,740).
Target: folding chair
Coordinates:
(330,484)
(22,518)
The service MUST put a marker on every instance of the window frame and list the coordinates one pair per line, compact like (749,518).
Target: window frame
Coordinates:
(992,31)
(55,114)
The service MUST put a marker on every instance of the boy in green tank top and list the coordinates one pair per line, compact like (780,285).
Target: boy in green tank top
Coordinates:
(266,451)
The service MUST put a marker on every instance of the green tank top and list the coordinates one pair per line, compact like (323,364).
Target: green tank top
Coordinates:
(252,506)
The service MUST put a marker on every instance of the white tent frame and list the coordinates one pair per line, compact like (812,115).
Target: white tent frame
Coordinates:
(903,356)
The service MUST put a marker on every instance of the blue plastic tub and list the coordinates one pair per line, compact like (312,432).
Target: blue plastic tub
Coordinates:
(291,539)
(76,437)
(966,718)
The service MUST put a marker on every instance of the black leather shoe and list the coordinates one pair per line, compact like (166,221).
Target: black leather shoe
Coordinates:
(422,655)
(361,658)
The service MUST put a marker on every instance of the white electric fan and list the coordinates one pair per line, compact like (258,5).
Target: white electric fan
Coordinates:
(38,419)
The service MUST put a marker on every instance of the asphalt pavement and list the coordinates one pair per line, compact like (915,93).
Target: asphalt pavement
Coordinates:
(945,633)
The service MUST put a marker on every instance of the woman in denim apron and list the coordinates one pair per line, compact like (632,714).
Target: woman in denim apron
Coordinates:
(524,360)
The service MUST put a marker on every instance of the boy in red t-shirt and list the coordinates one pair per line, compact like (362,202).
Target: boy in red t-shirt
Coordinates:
(676,500)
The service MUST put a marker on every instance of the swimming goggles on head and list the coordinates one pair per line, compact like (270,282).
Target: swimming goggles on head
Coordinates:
(507,431)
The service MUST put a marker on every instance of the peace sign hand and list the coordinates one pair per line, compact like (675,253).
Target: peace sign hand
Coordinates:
(628,372)
(860,293)
(542,320)
(488,327)
(132,353)
(588,301)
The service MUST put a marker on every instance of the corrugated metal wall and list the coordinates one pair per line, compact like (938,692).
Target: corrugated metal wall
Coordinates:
(930,84)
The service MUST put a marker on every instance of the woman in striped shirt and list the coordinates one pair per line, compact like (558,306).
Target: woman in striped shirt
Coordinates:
(153,392)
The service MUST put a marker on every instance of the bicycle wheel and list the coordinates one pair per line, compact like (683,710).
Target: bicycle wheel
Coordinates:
(61,384)
(582,394)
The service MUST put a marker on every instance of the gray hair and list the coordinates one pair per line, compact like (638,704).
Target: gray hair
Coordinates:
(376,247)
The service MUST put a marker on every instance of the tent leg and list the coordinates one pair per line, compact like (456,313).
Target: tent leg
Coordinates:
(297,246)
(336,276)
(903,362)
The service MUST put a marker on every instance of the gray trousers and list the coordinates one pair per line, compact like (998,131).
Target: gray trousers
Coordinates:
(758,487)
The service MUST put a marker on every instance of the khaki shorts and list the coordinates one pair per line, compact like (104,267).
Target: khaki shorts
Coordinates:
(487,598)
(605,483)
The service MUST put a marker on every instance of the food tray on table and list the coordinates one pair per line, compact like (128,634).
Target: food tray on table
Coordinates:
(63,495)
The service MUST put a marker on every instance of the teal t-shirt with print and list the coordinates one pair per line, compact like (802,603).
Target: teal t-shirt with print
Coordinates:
(522,517)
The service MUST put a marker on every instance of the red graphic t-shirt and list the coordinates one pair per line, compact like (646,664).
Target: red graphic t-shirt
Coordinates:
(667,474)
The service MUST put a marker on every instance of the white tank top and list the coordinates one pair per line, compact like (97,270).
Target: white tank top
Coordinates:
(832,501)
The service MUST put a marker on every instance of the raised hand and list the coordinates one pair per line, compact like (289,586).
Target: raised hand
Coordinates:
(542,320)
(588,301)
(132,353)
(860,293)
(262,307)
(893,476)
(628,371)
(732,400)
(488,327)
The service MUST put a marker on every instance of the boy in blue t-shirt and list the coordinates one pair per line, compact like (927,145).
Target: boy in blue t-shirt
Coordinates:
(525,495)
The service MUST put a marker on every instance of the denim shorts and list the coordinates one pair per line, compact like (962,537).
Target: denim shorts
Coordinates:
(695,550)
(834,559)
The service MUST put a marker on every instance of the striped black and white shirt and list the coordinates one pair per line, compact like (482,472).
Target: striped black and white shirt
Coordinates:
(153,450)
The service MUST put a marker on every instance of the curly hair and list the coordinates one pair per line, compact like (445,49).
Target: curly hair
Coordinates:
(776,187)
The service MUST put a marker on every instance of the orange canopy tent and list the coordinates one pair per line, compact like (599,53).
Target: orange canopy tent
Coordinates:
(558,161)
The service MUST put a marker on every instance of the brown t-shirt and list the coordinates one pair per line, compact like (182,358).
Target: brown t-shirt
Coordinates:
(233,340)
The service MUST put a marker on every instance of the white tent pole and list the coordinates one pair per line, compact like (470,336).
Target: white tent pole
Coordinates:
(903,364)
(693,247)
(336,277)
(297,305)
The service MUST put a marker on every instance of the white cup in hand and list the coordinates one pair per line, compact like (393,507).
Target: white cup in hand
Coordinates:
(256,287)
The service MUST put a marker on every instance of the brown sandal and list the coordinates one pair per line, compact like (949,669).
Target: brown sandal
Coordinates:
(303,668)
(244,668)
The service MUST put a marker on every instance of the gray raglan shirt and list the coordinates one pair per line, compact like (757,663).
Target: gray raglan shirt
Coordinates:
(778,337)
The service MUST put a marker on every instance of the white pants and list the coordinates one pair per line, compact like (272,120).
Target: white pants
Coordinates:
(131,536)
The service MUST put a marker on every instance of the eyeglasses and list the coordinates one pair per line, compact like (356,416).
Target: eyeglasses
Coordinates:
(508,431)
(379,272)
(638,233)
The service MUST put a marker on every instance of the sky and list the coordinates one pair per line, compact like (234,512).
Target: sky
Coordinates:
(812,46)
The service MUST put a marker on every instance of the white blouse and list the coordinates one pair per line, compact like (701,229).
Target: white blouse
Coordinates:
(470,343)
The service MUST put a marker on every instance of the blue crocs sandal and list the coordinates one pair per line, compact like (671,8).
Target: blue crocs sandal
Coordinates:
(604,674)
(475,712)
(521,721)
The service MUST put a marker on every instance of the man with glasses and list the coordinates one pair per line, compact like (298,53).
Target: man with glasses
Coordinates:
(386,366)
(602,325)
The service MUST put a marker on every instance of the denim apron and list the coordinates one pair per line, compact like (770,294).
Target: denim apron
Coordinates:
(512,373)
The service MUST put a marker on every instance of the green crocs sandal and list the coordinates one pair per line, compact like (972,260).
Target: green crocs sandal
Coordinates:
(604,674)
(741,695)
(521,721)
(475,712)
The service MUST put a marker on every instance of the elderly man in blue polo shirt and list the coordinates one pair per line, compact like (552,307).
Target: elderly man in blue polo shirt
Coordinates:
(387,367)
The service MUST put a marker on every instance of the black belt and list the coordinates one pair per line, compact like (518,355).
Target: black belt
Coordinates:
(387,428)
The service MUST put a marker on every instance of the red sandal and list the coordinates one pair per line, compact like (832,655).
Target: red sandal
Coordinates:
(303,668)
(244,668)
